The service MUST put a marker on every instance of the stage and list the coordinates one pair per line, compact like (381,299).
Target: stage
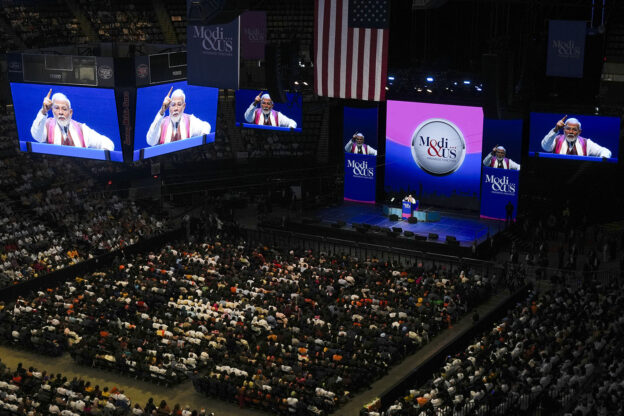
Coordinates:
(366,223)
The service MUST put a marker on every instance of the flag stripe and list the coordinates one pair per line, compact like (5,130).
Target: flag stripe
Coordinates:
(349,62)
(319,11)
(342,73)
(354,62)
(376,58)
(331,47)
(384,66)
(349,67)
(366,64)
(326,58)
(360,64)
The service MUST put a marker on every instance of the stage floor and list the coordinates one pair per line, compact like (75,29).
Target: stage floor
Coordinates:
(465,228)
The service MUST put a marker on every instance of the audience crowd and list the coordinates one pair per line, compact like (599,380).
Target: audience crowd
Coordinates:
(559,244)
(559,351)
(287,332)
(27,20)
(32,392)
(52,217)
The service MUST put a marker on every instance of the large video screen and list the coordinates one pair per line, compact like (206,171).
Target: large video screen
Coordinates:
(360,129)
(173,116)
(256,109)
(574,136)
(67,121)
(502,160)
(433,152)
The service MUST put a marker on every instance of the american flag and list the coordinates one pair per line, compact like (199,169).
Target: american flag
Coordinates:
(351,48)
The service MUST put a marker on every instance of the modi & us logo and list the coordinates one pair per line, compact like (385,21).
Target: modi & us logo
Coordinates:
(438,147)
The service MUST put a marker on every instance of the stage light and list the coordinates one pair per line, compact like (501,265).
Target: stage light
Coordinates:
(455,83)
(419,90)
(305,83)
(429,91)
(429,79)
(296,82)
(478,88)
(466,82)
(390,78)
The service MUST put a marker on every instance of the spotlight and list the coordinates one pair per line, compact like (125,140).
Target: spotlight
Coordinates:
(466,82)
(429,79)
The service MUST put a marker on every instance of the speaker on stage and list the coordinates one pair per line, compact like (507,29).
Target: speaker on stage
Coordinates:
(408,234)
(397,229)
(393,217)
(412,220)
(433,236)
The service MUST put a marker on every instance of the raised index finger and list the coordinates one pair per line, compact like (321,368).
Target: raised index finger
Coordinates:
(564,117)
(49,92)
(169,93)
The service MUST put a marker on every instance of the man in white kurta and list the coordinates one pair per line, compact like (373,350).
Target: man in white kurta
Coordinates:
(61,129)
(177,125)
(265,115)
(570,142)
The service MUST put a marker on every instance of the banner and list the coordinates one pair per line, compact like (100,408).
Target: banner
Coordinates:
(499,193)
(566,48)
(360,148)
(502,143)
(359,183)
(213,55)
(253,34)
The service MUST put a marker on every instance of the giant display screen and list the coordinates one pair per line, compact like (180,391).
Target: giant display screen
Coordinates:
(67,121)
(256,109)
(360,147)
(173,116)
(575,137)
(500,180)
(433,152)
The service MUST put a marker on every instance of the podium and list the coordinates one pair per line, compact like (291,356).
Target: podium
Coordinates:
(407,209)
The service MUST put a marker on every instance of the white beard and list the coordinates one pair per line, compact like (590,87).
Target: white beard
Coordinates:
(177,118)
(63,123)
(266,112)
(499,158)
(571,139)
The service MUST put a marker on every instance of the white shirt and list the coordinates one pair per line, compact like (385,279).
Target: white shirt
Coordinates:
(197,128)
(92,139)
